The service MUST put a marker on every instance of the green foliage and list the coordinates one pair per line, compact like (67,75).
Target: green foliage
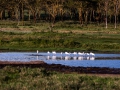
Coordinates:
(27,78)
(87,38)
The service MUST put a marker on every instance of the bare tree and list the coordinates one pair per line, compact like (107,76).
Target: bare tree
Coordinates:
(106,13)
(116,10)
(104,5)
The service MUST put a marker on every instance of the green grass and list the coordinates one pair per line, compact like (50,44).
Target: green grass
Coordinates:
(60,41)
(23,78)
(66,35)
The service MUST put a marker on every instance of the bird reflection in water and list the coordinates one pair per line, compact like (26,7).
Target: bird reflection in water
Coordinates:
(70,56)
(67,58)
(53,57)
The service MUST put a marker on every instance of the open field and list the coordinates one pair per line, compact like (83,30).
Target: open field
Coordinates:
(38,75)
(64,36)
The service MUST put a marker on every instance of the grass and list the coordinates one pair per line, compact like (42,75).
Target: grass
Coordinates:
(54,40)
(67,35)
(26,78)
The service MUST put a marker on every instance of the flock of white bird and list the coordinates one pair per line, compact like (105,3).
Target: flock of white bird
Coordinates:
(74,53)
(68,55)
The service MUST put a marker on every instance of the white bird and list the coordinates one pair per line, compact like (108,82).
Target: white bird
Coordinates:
(53,52)
(48,52)
(37,51)
(67,53)
(61,54)
(83,53)
(87,54)
(75,53)
(79,53)
(92,54)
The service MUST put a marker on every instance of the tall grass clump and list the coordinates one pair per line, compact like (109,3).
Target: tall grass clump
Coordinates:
(27,78)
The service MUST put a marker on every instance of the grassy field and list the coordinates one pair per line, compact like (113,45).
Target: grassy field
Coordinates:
(64,36)
(26,78)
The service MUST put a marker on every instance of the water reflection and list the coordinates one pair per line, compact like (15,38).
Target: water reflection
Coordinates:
(37,57)
(80,58)
(69,58)
(53,57)
(92,58)
(74,58)
(48,57)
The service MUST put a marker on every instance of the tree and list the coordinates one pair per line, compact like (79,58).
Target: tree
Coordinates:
(53,7)
(16,7)
(116,10)
(79,7)
(34,6)
(2,4)
(104,5)
(106,12)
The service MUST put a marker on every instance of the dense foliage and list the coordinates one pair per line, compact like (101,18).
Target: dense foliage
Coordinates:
(85,11)
(23,78)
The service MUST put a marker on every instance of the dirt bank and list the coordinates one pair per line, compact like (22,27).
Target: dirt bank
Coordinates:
(61,68)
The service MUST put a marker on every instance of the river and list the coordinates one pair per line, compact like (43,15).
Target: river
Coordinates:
(99,60)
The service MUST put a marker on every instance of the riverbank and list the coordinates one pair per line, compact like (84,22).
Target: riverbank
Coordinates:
(60,68)
(39,75)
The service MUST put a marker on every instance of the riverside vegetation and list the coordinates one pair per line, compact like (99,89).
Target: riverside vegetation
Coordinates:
(67,35)
(26,78)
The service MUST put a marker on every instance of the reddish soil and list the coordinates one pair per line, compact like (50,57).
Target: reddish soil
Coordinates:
(61,68)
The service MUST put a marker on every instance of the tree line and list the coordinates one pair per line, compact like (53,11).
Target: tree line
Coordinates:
(84,11)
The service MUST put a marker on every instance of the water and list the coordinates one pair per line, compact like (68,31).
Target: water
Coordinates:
(65,59)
